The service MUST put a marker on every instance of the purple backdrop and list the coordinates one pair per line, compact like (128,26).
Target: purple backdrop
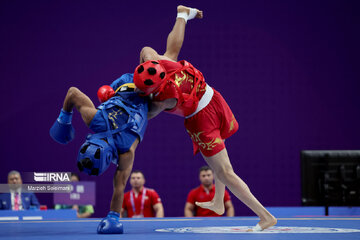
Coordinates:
(288,69)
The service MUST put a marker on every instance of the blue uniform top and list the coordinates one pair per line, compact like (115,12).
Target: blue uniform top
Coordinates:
(124,87)
(125,78)
(126,92)
(125,100)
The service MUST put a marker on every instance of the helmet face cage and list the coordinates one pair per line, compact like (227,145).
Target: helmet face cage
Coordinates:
(149,76)
(94,157)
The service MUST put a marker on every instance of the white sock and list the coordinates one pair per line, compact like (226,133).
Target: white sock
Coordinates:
(185,16)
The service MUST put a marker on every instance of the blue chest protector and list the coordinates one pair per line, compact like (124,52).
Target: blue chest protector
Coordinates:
(119,121)
(135,106)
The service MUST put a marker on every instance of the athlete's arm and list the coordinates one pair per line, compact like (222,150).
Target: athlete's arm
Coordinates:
(229,208)
(159,210)
(189,209)
(156,107)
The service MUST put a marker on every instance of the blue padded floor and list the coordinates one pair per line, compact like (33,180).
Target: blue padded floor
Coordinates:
(186,228)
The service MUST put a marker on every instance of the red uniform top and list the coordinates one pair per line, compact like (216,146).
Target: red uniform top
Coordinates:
(201,194)
(213,121)
(151,198)
(180,85)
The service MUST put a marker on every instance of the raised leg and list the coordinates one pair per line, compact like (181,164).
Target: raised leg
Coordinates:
(220,163)
(175,38)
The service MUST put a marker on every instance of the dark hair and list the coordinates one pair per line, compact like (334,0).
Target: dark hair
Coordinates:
(205,168)
(76,175)
(138,171)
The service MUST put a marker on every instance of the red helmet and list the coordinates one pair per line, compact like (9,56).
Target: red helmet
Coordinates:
(148,76)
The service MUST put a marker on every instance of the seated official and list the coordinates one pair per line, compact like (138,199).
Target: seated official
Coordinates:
(82,211)
(16,199)
(204,193)
(140,201)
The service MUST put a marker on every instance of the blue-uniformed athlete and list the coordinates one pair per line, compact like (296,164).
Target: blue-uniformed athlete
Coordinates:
(119,124)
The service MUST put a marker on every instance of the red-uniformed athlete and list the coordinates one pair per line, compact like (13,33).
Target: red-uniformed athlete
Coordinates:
(140,201)
(179,88)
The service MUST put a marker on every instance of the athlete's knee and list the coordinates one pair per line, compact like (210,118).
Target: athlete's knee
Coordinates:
(230,178)
(225,173)
(126,161)
(130,154)
(134,146)
(146,50)
(147,53)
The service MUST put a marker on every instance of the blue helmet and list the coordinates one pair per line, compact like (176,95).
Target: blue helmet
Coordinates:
(95,156)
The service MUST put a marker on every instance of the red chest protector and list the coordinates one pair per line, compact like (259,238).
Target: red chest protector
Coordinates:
(186,102)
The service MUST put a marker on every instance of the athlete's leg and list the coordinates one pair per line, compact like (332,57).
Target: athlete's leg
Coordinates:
(76,98)
(217,203)
(175,38)
(121,176)
(220,163)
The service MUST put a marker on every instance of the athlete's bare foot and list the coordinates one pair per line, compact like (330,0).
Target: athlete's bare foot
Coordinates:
(199,14)
(264,224)
(267,222)
(217,208)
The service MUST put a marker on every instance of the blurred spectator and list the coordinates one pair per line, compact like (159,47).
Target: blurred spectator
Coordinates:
(16,199)
(204,193)
(82,211)
(141,201)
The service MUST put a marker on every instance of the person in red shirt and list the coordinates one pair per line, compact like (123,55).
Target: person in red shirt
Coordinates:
(179,88)
(205,192)
(141,201)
